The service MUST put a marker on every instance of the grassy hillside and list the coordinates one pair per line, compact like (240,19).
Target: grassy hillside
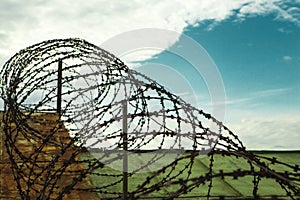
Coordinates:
(228,187)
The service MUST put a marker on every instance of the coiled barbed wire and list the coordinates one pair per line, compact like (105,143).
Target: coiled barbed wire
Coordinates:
(47,132)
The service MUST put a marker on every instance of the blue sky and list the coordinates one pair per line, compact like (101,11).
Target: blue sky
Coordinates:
(259,61)
(258,58)
(255,45)
(255,55)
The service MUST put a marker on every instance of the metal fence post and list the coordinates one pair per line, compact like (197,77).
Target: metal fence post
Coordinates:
(59,88)
(125,148)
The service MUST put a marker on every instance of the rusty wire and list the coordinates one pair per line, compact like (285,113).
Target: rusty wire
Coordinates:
(45,147)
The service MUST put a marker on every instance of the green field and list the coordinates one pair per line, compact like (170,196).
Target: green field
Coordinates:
(226,187)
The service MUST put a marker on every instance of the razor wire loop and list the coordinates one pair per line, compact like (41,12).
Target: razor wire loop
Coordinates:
(91,113)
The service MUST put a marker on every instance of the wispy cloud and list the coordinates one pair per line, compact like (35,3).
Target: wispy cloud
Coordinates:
(228,102)
(287,58)
(23,23)
(252,98)
(283,30)
(269,92)
(270,132)
(282,9)
(285,12)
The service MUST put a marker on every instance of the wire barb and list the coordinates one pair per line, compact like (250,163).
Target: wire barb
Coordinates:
(63,131)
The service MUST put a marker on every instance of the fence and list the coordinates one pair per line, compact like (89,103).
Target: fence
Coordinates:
(74,115)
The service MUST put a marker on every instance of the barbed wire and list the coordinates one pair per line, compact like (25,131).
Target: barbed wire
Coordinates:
(55,148)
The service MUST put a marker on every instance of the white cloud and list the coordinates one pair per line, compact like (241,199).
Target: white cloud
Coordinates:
(269,92)
(287,58)
(270,132)
(291,14)
(283,30)
(252,98)
(257,7)
(23,23)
